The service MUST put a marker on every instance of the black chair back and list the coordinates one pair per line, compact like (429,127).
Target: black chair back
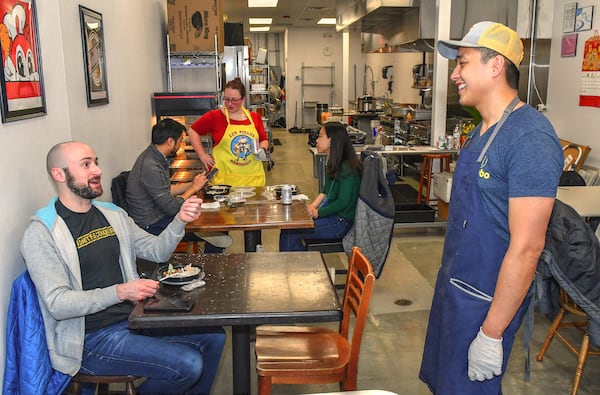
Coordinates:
(118,189)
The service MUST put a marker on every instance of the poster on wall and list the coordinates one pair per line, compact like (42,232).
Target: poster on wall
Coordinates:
(569,17)
(22,87)
(589,93)
(94,56)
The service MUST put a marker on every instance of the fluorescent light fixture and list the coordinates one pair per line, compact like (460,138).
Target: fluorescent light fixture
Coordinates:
(260,28)
(326,21)
(262,3)
(260,21)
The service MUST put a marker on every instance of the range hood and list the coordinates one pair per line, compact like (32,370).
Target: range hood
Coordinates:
(409,25)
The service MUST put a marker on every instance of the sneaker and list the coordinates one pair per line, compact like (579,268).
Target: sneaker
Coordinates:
(218,239)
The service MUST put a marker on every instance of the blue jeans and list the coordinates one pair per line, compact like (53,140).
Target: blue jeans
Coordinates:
(175,361)
(162,223)
(333,227)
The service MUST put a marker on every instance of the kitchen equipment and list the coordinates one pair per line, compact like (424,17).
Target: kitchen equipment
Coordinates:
(364,104)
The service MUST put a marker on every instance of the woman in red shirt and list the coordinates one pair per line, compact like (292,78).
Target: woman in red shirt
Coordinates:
(234,130)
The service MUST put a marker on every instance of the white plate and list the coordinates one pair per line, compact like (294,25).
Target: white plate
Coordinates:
(243,189)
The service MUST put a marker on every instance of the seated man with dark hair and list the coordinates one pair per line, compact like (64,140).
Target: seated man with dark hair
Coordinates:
(81,255)
(151,198)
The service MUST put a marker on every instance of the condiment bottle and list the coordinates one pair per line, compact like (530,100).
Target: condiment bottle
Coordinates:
(286,194)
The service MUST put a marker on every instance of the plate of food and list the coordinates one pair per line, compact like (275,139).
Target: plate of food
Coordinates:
(216,190)
(178,274)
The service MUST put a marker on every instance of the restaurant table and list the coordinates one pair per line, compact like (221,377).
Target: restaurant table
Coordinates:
(584,199)
(257,213)
(248,289)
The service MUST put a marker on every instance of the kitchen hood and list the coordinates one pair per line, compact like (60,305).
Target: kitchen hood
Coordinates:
(409,25)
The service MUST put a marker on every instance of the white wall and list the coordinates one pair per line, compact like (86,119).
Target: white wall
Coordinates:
(572,122)
(305,45)
(402,91)
(117,131)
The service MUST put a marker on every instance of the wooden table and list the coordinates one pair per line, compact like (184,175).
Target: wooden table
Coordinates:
(257,213)
(584,199)
(245,290)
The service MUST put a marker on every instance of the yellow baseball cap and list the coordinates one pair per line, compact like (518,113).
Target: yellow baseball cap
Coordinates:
(492,35)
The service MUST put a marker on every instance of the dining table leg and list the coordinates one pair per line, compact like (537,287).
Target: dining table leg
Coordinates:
(252,238)
(240,344)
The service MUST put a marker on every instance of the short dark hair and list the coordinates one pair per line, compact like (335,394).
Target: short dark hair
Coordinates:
(511,72)
(165,129)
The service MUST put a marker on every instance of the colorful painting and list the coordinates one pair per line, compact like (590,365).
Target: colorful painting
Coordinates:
(22,85)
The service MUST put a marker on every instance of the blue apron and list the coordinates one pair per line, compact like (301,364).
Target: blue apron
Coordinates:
(473,254)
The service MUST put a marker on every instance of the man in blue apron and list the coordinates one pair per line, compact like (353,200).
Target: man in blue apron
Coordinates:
(502,195)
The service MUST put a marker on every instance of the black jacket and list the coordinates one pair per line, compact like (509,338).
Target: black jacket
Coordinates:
(571,260)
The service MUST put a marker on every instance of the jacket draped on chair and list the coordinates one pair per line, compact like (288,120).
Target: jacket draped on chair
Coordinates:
(27,367)
(374,219)
(571,260)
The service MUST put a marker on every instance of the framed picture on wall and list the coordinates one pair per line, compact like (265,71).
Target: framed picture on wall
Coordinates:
(94,56)
(584,18)
(21,84)
(569,17)
(568,46)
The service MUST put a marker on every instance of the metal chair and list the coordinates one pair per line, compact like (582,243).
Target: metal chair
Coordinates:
(567,306)
(102,382)
(314,355)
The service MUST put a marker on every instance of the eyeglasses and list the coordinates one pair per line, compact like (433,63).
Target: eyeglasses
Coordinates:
(232,100)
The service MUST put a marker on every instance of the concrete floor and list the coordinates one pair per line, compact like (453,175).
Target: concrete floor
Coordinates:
(393,341)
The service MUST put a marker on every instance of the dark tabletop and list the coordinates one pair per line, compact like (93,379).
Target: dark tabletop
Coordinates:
(251,289)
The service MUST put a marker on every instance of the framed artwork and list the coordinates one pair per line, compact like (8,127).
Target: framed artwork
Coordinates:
(22,86)
(94,56)
(569,45)
(569,17)
(584,18)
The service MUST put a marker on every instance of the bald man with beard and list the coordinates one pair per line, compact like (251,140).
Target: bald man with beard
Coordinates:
(81,256)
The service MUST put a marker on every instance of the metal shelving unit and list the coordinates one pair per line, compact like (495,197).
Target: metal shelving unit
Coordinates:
(259,76)
(317,79)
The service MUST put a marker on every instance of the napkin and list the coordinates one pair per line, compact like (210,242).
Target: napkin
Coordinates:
(193,285)
(210,205)
(299,196)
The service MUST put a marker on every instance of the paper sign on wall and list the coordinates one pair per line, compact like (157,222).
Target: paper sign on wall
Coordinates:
(589,93)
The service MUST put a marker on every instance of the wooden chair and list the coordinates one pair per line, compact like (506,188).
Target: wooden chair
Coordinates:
(313,355)
(427,173)
(75,386)
(568,306)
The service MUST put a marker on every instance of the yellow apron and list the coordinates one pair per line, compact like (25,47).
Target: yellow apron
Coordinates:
(233,156)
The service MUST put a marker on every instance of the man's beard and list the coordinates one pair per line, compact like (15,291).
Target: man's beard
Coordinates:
(84,191)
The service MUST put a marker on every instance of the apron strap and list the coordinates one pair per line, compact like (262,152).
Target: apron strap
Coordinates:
(509,109)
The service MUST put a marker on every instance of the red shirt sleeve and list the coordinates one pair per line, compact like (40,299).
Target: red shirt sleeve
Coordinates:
(260,127)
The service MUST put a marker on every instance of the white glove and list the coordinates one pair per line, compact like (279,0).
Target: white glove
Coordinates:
(485,357)
(261,154)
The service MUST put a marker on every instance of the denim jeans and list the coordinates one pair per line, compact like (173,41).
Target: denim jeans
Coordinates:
(333,227)
(162,223)
(174,361)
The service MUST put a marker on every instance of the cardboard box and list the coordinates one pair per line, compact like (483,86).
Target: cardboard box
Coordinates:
(442,208)
(192,25)
(442,185)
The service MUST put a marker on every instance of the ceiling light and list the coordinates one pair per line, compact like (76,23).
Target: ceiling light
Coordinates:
(262,3)
(260,21)
(260,28)
(326,21)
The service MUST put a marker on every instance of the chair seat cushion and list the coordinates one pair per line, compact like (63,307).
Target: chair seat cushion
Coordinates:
(303,350)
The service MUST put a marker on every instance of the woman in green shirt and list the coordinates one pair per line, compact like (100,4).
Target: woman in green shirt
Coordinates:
(333,209)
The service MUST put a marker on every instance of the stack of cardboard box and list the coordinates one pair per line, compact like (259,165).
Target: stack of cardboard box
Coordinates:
(193,24)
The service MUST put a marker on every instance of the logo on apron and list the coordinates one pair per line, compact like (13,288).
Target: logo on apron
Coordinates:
(241,147)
